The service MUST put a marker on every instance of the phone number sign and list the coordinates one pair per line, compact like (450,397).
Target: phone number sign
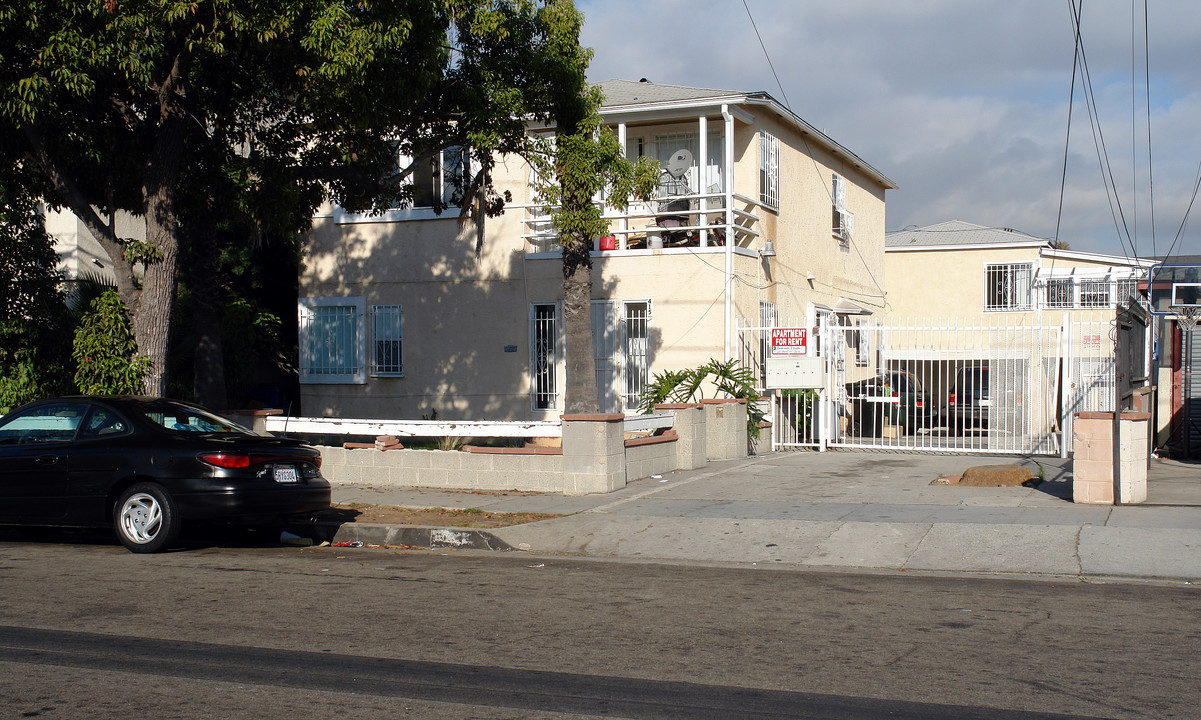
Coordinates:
(789,341)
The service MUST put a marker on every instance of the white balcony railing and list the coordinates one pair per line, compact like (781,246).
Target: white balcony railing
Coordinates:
(684,221)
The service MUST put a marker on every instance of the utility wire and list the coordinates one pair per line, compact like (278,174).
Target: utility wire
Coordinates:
(1133,127)
(805,141)
(767,55)
(1099,143)
(1150,163)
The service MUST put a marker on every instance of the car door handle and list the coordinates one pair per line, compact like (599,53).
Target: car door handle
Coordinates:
(47,460)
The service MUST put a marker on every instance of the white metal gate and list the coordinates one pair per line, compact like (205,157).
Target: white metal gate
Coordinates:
(922,386)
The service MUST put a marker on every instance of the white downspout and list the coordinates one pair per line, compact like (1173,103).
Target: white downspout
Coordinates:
(728,163)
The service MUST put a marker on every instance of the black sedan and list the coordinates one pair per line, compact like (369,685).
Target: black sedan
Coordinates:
(146,465)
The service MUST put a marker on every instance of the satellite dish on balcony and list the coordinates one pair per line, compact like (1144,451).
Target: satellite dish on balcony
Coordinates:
(678,164)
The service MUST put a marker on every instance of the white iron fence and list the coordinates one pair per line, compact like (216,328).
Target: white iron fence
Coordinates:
(940,385)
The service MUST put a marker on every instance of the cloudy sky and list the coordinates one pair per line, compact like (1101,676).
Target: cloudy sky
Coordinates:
(963,103)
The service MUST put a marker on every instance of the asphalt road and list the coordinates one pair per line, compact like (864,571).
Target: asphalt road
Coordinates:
(90,630)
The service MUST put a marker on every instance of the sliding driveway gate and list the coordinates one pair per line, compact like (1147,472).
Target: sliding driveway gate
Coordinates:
(940,385)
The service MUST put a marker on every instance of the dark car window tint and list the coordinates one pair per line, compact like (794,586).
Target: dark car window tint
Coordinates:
(47,423)
(102,422)
(184,419)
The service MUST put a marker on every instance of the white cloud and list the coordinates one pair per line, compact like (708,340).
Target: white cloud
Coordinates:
(964,104)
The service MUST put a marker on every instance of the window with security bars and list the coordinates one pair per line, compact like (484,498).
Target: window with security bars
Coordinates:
(1127,290)
(842,224)
(635,326)
(330,340)
(664,146)
(1007,286)
(386,341)
(1059,293)
(1094,293)
(769,170)
(544,353)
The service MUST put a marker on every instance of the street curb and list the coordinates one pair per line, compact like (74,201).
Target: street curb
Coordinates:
(427,538)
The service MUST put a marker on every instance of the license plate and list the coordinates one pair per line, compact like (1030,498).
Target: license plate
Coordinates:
(286,474)
(985,402)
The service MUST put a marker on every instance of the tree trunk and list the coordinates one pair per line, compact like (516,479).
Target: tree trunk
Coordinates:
(152,314)
(209,362)
(580,395)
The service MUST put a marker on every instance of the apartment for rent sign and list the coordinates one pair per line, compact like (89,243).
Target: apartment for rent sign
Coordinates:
(787,342)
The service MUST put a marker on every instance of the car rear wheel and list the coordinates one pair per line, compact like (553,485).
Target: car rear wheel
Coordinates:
(145,518)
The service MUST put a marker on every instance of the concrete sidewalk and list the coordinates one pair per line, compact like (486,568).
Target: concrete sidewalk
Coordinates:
(866,510)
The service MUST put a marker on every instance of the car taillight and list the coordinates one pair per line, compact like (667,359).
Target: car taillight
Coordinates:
(230,461)
(952,399)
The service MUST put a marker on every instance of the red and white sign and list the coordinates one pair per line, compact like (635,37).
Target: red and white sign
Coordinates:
(789,341)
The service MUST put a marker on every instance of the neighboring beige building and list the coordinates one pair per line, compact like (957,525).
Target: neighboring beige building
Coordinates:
(978,274)
(399,318)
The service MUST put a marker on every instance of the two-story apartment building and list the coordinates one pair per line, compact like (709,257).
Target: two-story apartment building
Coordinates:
(758,215)
(977,273)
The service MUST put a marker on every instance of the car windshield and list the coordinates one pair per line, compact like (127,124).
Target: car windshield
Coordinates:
(186,419)
(974,381)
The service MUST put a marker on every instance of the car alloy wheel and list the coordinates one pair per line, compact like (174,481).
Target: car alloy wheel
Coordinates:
(146,521)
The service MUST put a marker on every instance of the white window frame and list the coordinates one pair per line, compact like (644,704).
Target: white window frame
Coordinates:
(550,373)
(419,212)
(769,170)
(306,311)
(1015,298)
(387,326)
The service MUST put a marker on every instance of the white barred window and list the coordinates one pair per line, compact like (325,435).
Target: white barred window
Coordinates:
(1007,286)
(1059,293)
(769,170)
(1094,293)
(331,340)
(386,341)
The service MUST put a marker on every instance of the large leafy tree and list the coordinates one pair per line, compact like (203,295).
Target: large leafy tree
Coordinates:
(190,113)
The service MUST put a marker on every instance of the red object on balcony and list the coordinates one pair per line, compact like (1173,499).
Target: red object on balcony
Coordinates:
(608,242)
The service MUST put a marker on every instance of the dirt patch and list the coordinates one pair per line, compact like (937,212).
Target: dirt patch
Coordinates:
(435,517)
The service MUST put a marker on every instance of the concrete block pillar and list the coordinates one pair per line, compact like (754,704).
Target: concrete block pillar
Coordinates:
(725,428)
(1093,458)
(594,453)
(255,420)
(692,446)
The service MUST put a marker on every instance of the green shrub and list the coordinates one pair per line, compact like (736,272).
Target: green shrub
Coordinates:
(104,350)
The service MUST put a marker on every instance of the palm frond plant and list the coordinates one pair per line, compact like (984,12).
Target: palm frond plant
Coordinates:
(687,386)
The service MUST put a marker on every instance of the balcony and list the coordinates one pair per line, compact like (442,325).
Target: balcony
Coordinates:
(678,223)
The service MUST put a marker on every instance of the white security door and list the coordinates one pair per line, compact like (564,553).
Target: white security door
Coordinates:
(606,351)
(620,345)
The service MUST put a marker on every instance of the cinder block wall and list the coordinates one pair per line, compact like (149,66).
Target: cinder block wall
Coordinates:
(442,469)
(595,457)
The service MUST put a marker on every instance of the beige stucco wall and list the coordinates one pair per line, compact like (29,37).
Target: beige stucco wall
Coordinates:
(466,317)
(949,284)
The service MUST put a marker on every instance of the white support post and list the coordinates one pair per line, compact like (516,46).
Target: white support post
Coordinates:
(1067,389)
(703,153)
(624,223)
